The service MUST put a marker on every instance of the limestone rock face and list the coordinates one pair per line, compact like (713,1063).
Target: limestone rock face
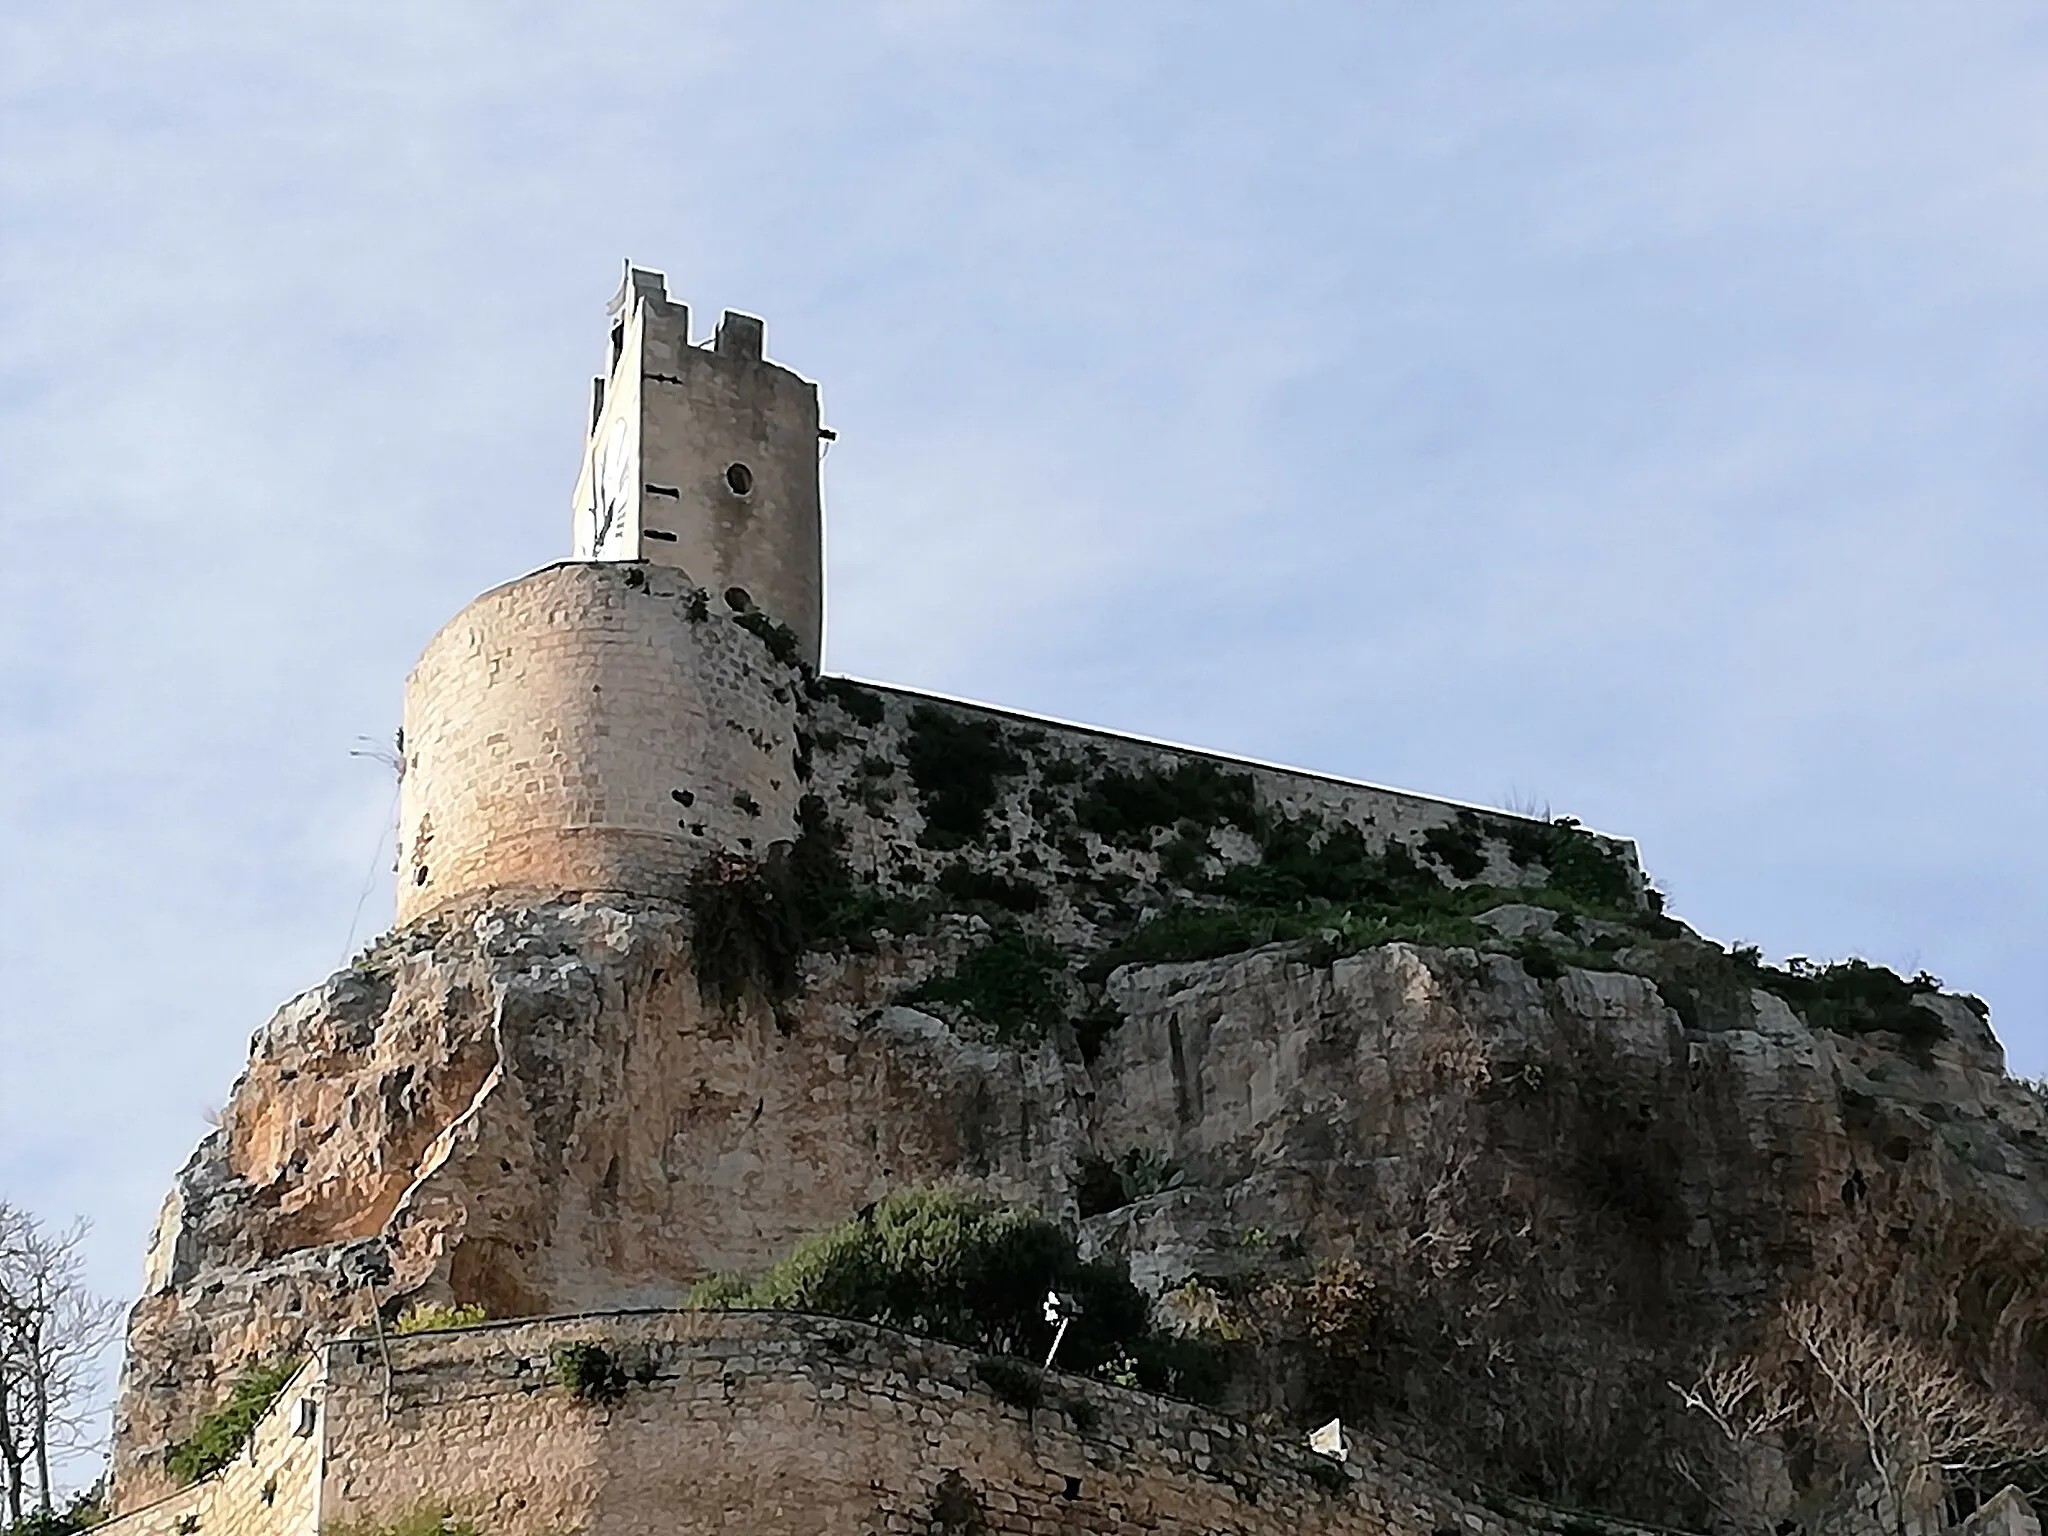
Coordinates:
(533,1110)
(1564,1195)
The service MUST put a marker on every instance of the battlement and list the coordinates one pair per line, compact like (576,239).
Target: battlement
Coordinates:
(704,458)
(739,336)
(776,1424)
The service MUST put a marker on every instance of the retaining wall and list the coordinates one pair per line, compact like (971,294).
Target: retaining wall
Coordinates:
(773,1425)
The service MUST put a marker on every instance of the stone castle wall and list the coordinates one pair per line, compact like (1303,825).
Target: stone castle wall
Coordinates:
(774,1425)
(605,727)
(590,727)
(885,825)
(271,1488)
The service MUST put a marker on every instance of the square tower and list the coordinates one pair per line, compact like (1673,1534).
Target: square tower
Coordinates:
(704,458)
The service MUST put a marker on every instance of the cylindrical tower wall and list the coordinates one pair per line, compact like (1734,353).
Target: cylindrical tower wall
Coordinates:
(591,727)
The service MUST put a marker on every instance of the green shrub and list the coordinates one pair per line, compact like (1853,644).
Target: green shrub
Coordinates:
(1302,861)
(218,1436)
(1094,1027)
(954,1267)
(1537,959)
(1199,933)
(1709,988)
(832,909)
(1854,997)
(1128,808)
(1459,847)
(1577,863)
(956,765)
(432,1317)
(718,1292)
(1184,857)
(588,1371)
(1013,983)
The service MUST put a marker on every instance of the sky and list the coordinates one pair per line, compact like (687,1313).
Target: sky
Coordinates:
(1633,409)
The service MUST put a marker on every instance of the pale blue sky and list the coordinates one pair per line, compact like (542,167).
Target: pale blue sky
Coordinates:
(1635,407)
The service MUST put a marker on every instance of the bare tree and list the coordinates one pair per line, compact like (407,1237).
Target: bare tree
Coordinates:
(53,1330)
(1917,1416)
(1748,1411)
(1899,1411)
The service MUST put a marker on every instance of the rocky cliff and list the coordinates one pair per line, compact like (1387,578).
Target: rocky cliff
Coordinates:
(1442,1126)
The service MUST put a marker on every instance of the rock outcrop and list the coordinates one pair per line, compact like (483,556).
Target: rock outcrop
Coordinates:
(1558,1193)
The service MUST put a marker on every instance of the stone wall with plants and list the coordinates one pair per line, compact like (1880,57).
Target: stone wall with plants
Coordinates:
(1041,857)
(778,1424)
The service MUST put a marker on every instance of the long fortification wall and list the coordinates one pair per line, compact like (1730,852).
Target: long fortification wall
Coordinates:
(769,1424)
(606,727)
(591,727)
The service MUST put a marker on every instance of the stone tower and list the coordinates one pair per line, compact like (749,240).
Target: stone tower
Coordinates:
(609,723)
(704,458)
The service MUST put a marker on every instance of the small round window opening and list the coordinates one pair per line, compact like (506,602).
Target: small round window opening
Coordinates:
(739,479)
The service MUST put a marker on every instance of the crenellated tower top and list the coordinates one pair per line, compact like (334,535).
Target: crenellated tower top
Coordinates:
(704,457)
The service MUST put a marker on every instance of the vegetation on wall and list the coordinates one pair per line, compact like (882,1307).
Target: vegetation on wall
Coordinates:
(970,887)
(954,1267)
(956,764)
(834,909)
(219,1435)
(1129,808)
(434,1317)
(861,703)
(744,931)
(780,639)
(1156,865)
(589,1370)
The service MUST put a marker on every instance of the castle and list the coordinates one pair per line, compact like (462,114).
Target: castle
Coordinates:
(536,1099)
(588,727)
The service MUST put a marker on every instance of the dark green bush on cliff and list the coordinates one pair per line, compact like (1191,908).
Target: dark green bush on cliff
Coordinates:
(1578,863)
(979,887)
(589,1370)
(1013,983)
(220,1434)
(975,1273)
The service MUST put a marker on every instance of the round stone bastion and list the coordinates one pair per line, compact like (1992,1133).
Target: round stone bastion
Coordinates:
(593,727)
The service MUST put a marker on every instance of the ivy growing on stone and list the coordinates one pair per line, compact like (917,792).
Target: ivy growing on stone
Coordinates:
(220,1435)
